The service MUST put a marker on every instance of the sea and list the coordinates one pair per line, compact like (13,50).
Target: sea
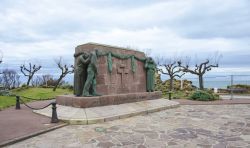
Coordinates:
(223,77)
(218,81)
(209,81)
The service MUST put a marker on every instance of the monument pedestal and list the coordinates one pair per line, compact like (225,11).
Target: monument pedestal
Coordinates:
(86,102)
(93,115)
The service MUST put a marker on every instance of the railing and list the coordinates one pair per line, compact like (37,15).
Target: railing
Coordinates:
(54,118)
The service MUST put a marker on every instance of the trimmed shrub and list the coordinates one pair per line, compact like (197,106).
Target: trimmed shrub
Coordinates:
(67,86)
(23,87)
(6,93)
(203,96)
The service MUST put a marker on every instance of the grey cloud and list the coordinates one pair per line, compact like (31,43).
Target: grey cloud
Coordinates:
(215,19)
(46,29)
(236,59)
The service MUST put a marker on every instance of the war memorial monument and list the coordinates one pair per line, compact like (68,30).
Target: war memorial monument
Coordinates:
(107,75)
(110,83)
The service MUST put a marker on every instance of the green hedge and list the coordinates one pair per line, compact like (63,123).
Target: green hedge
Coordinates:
(6,93)
(203,96)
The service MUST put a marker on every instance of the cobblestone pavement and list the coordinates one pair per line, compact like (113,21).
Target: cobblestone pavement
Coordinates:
(217,126)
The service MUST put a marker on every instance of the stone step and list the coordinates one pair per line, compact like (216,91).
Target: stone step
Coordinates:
(101,114)
(104,100)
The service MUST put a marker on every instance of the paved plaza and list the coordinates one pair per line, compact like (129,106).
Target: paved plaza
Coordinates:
(93,115)
(18,124)
(215,126)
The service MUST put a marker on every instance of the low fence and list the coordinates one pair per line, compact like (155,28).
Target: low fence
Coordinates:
(54,118)
(239,85)
(231,86)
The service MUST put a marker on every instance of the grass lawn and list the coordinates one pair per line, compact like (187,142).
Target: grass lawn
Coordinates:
(36,93)
(6,101)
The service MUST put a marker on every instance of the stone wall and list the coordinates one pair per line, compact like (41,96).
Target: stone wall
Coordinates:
(122,79)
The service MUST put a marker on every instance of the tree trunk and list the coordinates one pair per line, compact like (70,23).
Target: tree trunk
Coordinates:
(58,81)
(171,84)
(28,82)
(201,82)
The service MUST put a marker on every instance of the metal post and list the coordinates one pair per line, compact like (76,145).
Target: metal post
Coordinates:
(54,118)
(232,79)
(18,102)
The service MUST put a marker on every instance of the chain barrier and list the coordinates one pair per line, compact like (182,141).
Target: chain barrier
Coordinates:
(54,118)
(35,99)
(33,107)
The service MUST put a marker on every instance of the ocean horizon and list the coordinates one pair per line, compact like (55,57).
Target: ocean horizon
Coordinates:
(214,82)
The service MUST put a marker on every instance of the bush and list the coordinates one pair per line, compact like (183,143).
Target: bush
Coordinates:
(6,93)
(67,86)
(23,87)
(239,86)
(203,96)
(45,86)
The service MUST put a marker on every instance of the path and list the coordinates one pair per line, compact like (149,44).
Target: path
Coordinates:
(216,126)
(217,102)
(235,96)
(16,124)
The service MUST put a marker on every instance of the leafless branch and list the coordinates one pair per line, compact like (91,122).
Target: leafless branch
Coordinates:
(64,71)
(30,71)
(200,68)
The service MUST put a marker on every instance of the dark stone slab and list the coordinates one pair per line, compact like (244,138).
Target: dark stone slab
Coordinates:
(85,102)
(106,100)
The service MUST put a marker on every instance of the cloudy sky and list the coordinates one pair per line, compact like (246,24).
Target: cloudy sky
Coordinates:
(43,30)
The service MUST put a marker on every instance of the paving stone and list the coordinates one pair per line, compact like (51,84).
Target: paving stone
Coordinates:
(187,126)
(105,144)
(138,138)
(141,146)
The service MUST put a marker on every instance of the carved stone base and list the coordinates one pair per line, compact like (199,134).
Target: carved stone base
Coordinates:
(85,102)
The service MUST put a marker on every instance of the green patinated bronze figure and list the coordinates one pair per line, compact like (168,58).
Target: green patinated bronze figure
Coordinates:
(82,61)
(89,88)
(150,67)
(85,74)
(86,71)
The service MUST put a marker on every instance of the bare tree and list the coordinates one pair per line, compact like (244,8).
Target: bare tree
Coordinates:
(46,78)
(65,69)
(169,67)
(148,52)
(17,81)
(201,68)
(29,71)
(1,58)
(37,81)
(10,79)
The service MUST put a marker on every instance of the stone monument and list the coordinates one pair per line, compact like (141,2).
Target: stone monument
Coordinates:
(108,75)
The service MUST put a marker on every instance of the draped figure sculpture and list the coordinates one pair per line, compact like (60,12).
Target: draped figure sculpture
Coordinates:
(85,74)
(82,61)
(150,67)
(89,88)
(86,71)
